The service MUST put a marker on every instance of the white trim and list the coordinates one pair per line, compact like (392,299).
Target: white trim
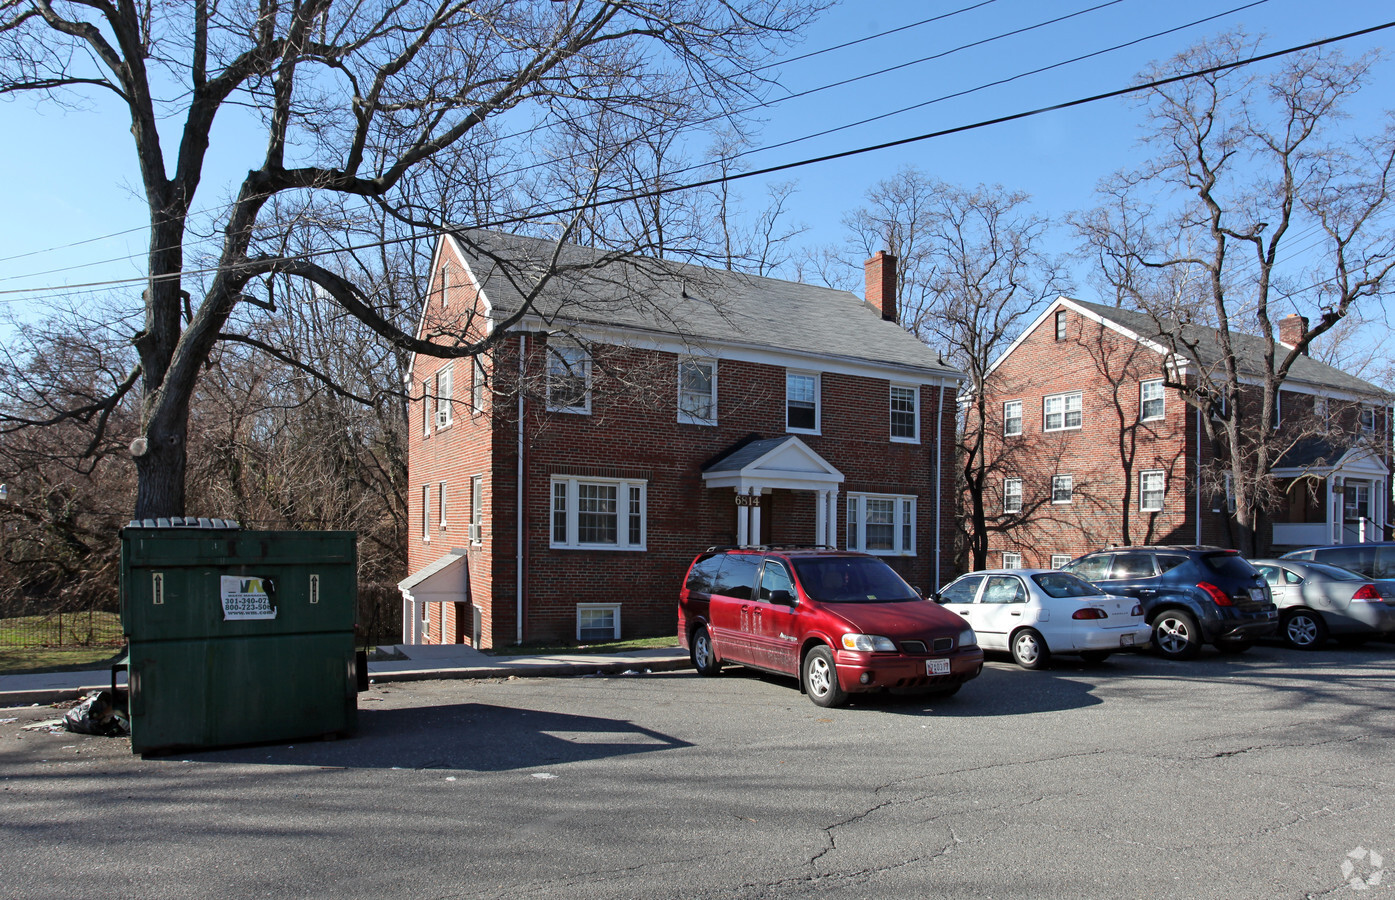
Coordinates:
(685,417)
(1142,492)
(1009,482)
(1143,400)
(1070,485)
(561,350)
(598,607)
(1059,559)
(1065,411)
(571,509)
(1012,560)
(856,538)
(1021,420)
(818,401)
(915,412)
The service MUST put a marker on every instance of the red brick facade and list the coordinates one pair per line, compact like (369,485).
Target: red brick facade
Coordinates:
(632,437)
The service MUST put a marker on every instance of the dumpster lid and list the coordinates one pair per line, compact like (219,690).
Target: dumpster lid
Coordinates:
(186,522)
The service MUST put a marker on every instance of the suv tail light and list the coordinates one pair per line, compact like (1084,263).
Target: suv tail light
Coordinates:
(1089,612)
(1219,596)
(1367,593)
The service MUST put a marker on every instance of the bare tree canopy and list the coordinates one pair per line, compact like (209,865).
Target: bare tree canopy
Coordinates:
(1257,203)
(466,110)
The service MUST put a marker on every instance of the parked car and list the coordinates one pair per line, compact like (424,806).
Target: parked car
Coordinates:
(840,622)
(1033,613)
(1317,601)
(1191,595)
(1374,559)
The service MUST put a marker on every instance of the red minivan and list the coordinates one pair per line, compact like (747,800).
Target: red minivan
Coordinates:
(840,622)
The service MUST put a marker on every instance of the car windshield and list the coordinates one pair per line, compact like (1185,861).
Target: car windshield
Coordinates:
(1232,565)
(1064,584)
(851,579)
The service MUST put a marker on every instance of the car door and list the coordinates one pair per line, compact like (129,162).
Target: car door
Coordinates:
(731,607)
(775,638)
(959,596)
(1278,584)
(999,610)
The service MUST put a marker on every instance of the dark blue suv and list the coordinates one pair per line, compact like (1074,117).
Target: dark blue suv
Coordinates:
(1190,595)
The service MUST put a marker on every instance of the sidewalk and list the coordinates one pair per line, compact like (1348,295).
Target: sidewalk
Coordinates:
(424,663)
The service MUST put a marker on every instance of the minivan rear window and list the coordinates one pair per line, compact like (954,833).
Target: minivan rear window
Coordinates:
(737,576)
(851,579)
(1230,565)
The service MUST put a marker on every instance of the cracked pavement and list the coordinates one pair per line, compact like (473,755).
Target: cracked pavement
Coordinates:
(1249,776)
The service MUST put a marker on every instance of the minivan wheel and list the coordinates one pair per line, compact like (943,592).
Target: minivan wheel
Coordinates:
(1029,650)
(821,679)
(1304,629)
(1176,635)
(704,657)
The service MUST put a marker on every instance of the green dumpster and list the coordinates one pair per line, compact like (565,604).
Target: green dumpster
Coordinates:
(237,636)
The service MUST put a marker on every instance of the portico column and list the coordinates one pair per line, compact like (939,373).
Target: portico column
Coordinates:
(821,518)
(755,515)
(742,532)
(832,533)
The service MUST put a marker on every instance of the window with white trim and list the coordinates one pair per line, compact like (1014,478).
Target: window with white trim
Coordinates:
(478,384)
(801,401)
(1062,488)
(905,414)
(1012,418)
(568,378)
(426,406)
(697,391)
(447,282)
(1062,411)
(1151,402)
(1012,495)
(598,621)
(476,531)
(1059,559)
(882,524)
(1151,485)
(598,514)
(426,512)
(1060,324)
(444,410)
(1368,419)
(441,503)
(1012,560)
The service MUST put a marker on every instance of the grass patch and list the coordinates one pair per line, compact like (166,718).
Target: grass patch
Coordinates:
(37,660)
(548,649)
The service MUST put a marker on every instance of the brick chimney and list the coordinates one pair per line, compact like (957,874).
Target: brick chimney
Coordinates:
(881,284)
(1291,328)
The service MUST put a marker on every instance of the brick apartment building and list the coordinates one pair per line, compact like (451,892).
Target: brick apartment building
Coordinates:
(1095,451)
(639,411)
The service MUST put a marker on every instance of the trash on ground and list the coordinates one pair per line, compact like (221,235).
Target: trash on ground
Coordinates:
(98,714)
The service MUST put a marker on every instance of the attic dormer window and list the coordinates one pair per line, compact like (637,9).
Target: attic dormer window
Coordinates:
(1060,324)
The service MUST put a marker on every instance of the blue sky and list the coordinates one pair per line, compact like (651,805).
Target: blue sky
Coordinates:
(78,180)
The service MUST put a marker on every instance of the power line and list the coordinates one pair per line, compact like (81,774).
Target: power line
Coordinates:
(663,191)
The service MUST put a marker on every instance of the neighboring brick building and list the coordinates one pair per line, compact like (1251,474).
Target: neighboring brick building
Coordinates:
(643,411)
(1094,451)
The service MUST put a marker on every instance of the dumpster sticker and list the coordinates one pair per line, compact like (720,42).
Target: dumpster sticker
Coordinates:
(247,598)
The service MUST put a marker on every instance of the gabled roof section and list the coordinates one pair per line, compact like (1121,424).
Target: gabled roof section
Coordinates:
(782,462)
(698,305)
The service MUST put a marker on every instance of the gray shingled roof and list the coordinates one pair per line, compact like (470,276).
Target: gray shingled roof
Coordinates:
(744,456)
(1249,349)
(699,304)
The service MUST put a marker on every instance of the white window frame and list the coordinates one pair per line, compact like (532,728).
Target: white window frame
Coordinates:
(685,415)
(1012,560)
(1366,419)
(623,513)
(1144,491)
(613,608)
(426,512)
(1144,399)
(480,381)
(427,420)
(1009,493)
(1065,484)
(441,503)
(914,437)
(447,280)
(1064,412)
(903,524)
(1008,417)
(445,382)
(818,404)
(569,356)
(1059,325)
(476,529)
(1059,559)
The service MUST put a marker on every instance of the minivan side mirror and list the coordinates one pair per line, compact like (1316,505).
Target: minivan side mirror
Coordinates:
(784,598)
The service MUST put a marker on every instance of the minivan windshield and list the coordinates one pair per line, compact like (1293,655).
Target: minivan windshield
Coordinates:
(851,579)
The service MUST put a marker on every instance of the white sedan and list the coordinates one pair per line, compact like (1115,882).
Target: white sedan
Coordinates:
(1033,613)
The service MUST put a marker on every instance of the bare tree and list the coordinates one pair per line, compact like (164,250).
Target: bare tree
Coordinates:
(1257,203)
(355,102)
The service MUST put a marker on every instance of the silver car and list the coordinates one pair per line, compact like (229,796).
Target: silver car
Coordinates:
(1317,601)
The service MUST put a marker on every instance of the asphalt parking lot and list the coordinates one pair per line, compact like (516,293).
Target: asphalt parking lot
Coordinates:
(1264,775)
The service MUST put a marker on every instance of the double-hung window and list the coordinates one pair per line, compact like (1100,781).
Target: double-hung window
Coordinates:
(598,514)
(426,406)
(1012,495)
(697,392)
(1059,559)
(1062,411)
(478,384)
(1150,490)
(444,411)
(476,529)
(1368,419)
(1012,560)
(568,378)
(441,503)
(1062,488)
(802,402)
(1012,418)
(883,524)
(1151,404)
(426,512)
(905,416)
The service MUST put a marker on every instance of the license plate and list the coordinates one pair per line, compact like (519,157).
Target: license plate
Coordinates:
(937,667)
(1257,595)
(1125,640)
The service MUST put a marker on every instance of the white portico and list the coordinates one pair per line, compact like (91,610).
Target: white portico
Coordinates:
(764,466)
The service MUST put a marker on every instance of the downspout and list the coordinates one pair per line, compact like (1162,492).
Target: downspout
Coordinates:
(518,575)
(1198,476)
(939,479)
